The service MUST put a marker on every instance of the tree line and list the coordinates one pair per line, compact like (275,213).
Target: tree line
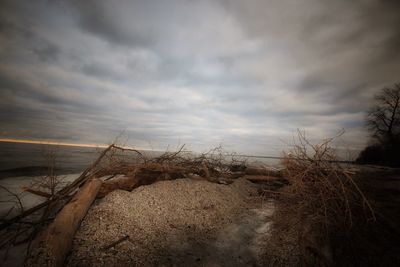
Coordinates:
(383,123)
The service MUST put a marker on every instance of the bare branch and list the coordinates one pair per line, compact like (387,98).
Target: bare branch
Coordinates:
(383,119)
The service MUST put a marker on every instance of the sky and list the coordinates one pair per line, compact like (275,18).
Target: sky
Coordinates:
(244,74)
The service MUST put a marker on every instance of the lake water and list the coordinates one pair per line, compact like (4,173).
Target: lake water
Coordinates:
(17,157)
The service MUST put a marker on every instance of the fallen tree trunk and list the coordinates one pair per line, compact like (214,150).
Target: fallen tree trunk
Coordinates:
(52,245)
(139,178)
(127,183)
(151,174)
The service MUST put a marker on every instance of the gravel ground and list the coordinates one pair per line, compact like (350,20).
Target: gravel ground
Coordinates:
(183,222)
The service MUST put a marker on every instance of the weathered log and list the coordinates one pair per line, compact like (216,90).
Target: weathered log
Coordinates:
(140,177)
(128,183)
(52,245)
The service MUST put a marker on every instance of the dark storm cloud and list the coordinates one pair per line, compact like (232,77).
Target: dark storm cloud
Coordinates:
(244,73)
(96,18)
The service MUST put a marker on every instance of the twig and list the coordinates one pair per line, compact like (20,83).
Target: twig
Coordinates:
(37,192)
(127,149)
(21,207)
(113,244)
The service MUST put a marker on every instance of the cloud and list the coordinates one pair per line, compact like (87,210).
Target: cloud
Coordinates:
(245,74)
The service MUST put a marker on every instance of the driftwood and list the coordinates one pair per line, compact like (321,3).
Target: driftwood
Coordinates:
(52,245)
(158,170)
(142,176)
(113,244)
(122,183)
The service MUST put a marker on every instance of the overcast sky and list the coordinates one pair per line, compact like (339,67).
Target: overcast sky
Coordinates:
(246,74)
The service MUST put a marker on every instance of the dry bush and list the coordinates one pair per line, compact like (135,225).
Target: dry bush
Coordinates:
(48,184)
(322,186)
(322,199)
(214,165)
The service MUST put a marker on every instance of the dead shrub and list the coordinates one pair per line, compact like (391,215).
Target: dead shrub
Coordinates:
(322,199)
(47,185)
(212,165)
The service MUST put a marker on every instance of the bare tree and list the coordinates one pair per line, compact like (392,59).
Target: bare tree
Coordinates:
(383,118)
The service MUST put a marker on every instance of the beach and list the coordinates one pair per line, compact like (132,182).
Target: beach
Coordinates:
(177,209)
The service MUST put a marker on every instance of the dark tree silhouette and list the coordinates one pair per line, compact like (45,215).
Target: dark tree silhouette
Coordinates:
(384,117)
(383,120)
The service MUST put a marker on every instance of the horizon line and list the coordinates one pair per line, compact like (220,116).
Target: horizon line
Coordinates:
(42,142)
(54,143)
(59,143)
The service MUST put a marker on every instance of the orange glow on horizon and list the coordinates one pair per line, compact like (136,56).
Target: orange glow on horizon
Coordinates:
(27,141)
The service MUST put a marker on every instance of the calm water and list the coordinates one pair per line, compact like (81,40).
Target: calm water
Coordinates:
(68,159)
